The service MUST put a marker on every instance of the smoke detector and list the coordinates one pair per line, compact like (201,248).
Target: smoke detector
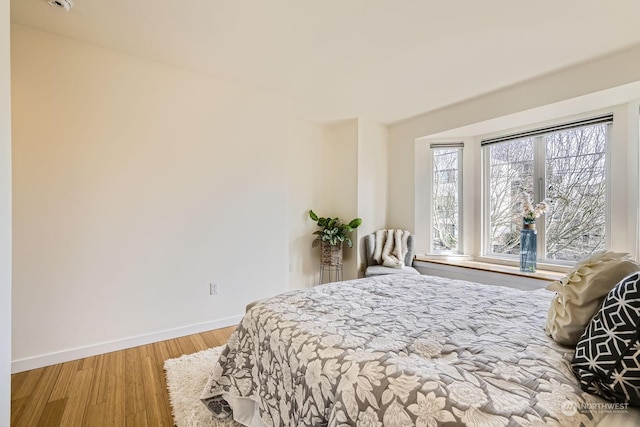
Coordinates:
(61,4)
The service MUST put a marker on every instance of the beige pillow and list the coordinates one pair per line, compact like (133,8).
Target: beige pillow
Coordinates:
(581,292)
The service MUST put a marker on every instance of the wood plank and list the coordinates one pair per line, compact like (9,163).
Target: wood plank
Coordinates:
(17,380)
(96,415)
(98,392)
(210,339)
(139,419)
(73,414)
(161,354)
(547,275)
(146,350)
(156,407)
(161,351)
(174,349)
(17,409)
(61,389)
(52,414)
(186,345)
(38,399)
(134,394)
(116,402)
(222,335)
(198,343)
(88,362)
(29,384)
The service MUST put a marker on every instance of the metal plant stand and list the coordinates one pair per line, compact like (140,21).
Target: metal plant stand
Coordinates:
(333,273)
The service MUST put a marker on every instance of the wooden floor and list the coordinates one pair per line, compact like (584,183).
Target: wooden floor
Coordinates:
(123,388)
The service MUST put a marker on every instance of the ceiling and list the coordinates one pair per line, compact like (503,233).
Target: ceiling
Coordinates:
(384,60)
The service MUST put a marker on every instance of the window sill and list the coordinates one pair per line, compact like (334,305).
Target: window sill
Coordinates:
(469,263)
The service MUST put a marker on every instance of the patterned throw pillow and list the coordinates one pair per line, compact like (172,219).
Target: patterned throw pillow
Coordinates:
(607,358)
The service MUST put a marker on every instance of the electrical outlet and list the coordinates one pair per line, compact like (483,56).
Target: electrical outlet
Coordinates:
(213,288)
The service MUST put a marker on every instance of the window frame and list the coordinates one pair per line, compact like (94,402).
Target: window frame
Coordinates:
(539,180)
(459,147)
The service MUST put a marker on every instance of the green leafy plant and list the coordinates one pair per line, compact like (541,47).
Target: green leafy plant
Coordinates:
(334,231)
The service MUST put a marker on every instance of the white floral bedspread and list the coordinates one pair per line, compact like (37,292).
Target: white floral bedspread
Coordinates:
(401,351)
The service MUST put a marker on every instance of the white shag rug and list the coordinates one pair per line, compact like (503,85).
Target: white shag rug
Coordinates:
(186,377)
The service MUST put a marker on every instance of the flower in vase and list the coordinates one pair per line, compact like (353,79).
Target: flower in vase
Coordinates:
(531,212)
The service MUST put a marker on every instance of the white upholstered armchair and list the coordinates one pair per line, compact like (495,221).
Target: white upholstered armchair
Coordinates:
(377,247)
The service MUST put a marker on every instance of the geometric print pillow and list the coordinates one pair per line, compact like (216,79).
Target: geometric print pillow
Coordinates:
(607,357)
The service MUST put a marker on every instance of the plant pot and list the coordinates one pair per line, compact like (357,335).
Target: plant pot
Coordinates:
(330,254)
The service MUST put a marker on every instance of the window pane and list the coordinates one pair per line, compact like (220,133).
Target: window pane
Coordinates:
(575,174)
(446,197)
(510,173)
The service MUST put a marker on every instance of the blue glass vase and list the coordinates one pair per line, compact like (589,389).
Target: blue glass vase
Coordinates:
(528,247)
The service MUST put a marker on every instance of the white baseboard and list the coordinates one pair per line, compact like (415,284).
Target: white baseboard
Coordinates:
(48,359)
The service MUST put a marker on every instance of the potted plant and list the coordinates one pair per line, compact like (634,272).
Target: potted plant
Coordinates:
(333,234)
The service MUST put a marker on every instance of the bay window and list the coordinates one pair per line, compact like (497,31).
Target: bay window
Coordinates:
(564,164)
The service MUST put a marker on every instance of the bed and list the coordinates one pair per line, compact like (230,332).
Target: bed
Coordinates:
(399,351)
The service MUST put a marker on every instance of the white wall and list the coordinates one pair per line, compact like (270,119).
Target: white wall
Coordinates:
(372,180)
(604,73)
(135,185)
(342,173)
(5,217)
(309,188)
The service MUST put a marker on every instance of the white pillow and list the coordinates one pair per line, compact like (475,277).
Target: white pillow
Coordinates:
(581,292)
